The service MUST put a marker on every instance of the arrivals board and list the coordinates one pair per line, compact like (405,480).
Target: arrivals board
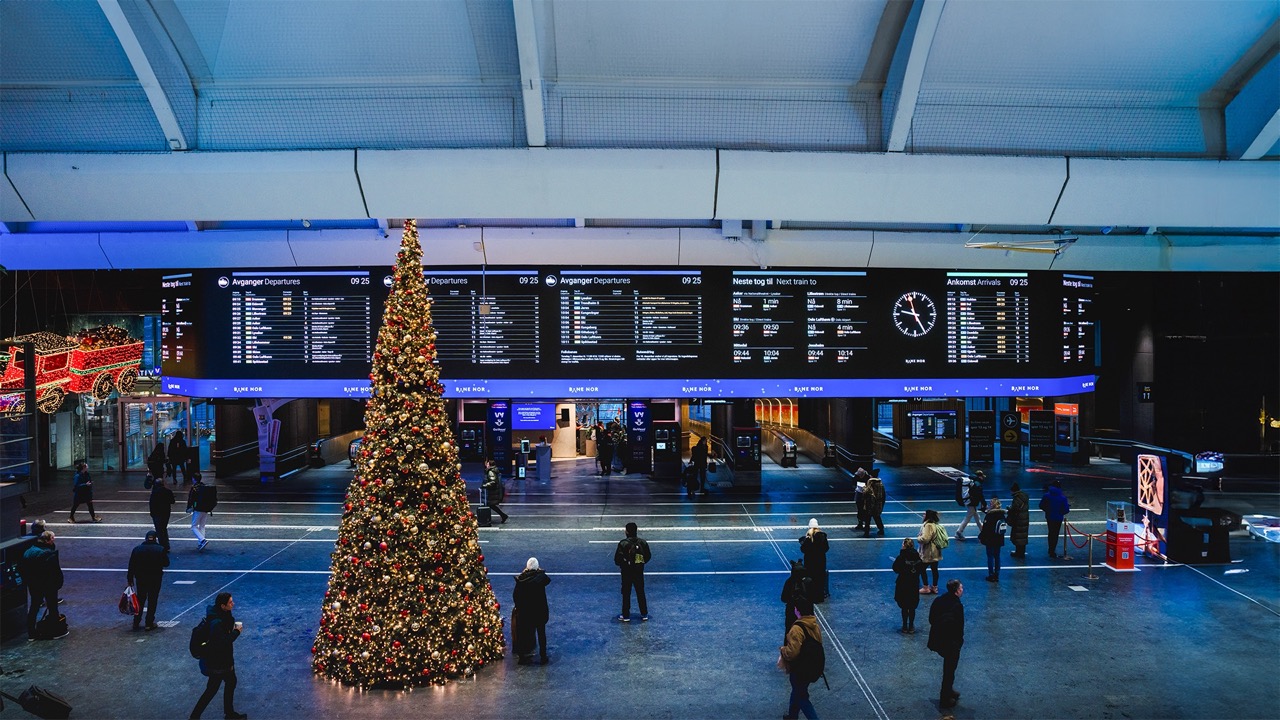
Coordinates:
(544,332)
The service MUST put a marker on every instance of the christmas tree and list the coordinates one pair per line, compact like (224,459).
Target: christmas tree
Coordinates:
(409,600)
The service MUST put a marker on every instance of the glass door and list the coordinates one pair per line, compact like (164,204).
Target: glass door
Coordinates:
(144,421)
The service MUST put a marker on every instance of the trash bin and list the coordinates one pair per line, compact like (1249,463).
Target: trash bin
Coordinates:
(542,457)
(1201,536)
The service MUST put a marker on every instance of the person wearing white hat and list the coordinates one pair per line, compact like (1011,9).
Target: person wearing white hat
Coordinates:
(813,544)
(529,619)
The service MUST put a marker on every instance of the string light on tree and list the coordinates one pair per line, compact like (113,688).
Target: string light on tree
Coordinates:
(409,599)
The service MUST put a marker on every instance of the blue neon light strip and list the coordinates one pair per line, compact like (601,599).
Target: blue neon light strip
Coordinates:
(629,387)
(175,277)
(1077,277)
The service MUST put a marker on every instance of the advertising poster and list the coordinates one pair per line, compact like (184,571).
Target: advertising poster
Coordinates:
(1042,436)
(982,436)
(1151,490)
(1010,437)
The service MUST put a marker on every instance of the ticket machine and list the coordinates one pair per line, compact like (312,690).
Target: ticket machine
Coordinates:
(471,441)
(667,451)
(746,449)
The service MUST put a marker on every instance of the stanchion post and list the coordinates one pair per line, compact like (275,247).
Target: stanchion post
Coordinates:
(1066,533)
(1090,575)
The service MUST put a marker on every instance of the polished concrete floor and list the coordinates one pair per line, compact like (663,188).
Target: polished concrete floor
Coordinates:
(1169,641)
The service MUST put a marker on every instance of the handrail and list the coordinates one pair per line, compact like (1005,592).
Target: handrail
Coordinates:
(221,453)
(1188,458)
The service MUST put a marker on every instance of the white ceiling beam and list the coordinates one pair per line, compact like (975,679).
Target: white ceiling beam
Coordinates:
(1266,139)
(921,43)
(160,105)
(535,122)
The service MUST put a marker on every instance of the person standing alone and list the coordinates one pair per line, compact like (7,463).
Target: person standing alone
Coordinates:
(1055,505)
(991,536)
(161,508)
(814,547)
(530,598)
(630,557)
(946,637)
(699,457)
(200,503)
(218,661)
(146,573)
(906,592)
(1019,518)
(875,503)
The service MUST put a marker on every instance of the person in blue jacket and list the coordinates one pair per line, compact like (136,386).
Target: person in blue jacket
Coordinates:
(1055,507)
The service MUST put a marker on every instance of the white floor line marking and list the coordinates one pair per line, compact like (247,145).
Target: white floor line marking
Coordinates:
(1246,597)
(184,582)
(835,641)
(228,584)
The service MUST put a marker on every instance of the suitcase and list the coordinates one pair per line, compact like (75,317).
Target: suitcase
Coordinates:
(50,627)
(484,516)
(41,703)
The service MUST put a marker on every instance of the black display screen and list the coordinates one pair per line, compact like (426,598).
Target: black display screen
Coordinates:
(653,332)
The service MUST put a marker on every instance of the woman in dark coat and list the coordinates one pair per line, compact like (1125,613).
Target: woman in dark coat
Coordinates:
(156,461)
(1019,519)
(799,584)
(906,589)
(813,545)
(994,527)
(531,613)
(178,452)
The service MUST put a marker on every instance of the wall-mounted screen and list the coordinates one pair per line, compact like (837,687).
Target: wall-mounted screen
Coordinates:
(932,424)
(577,332)
(537,416)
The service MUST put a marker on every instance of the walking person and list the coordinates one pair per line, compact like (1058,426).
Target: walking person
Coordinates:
(161,508)
(146,573)
(1019,519)
(156,461)
(906,588)
(201,501)
(977,501)
(946,637)
(991,536)
(178,457)
(530,599)
(932,539)
(800,669)
(814,547)
(699,457)
(494,491)
(1055,505)
(797,585)
(82,492)
(630,557)
(41,572)
(219,660)
(875,503)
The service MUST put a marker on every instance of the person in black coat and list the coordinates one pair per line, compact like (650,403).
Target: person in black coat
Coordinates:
(156,461)
(992,535)
(146,573)
(631,555)
(494,491)
(177,456)
(161,506)
(530,598)
(41,572)
(946,637)
(797,585)
(814,546)
(699,457)
(906,588)
(219,661)
(82,492)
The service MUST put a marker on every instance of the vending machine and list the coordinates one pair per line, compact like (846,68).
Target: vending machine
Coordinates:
(746,449)
(471,441)
(667,452)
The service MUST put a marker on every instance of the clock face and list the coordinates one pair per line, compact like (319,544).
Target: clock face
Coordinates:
(914,314)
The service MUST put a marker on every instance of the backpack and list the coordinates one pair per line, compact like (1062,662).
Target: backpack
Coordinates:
(940,539)
(811,663)
(148,481)
(635,554)
(962,491)
(199,638)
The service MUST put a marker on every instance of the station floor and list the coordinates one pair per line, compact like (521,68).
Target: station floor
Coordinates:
(1169,641)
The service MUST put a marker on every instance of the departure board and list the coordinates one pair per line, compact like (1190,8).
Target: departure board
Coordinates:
(179,318)
(818,319)
(988,318)
(484,317)
(1077,319)
(626,316)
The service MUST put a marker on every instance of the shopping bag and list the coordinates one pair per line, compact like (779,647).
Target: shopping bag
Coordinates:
(128,601)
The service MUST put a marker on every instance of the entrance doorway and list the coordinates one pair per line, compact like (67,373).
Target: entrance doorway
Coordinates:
(146,420)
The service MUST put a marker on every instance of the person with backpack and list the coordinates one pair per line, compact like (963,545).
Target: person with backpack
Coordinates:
(494,491)
(875,503)
(201,501)
(41,572)
(991,536)
(977,501)
(82,492)
(1019,519)
(814,547)
(1055,506)
(933,540)
(908,567)
(530,600)
(161,508)
(803,658)
(213,642)
(797,585)
(146,573)
(630,557)
(946,637)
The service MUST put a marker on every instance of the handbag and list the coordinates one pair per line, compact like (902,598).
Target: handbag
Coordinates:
(129,601)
